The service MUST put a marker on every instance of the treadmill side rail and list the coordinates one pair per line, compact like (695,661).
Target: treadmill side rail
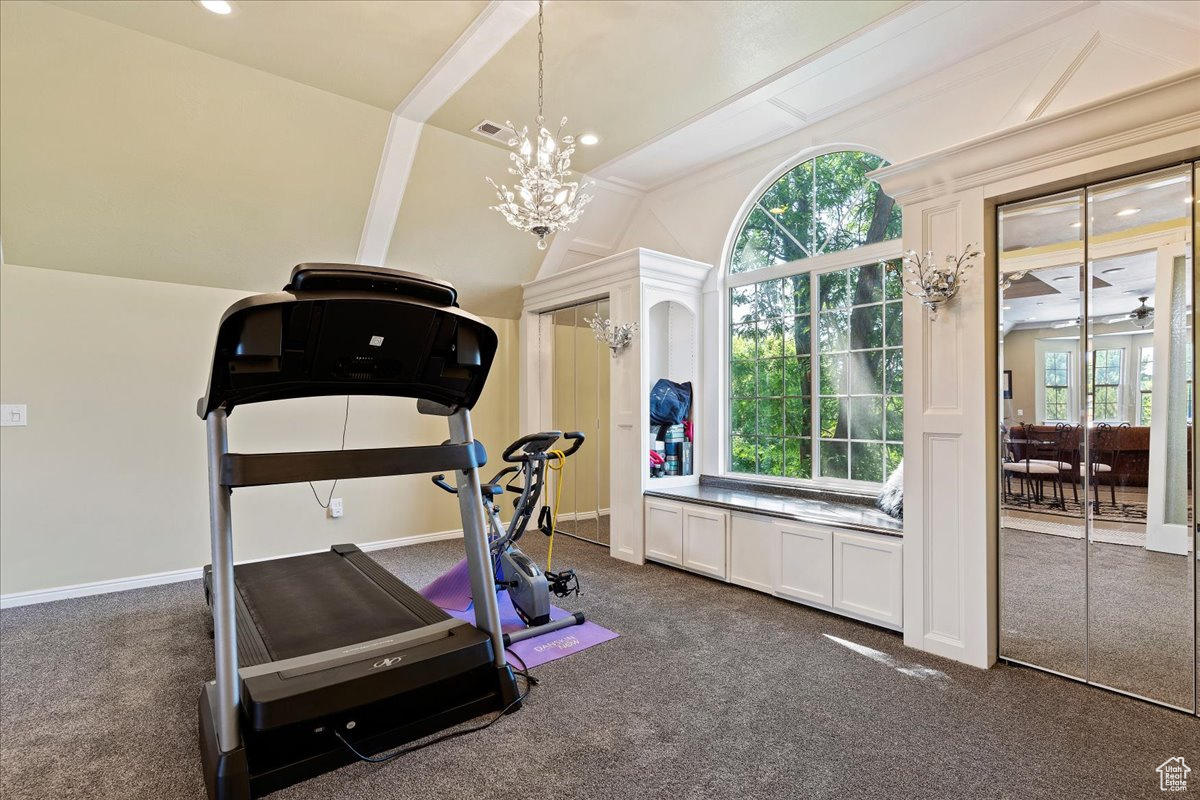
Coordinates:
(265,469)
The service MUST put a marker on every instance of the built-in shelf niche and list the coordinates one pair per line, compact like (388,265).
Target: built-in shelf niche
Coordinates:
(670,344)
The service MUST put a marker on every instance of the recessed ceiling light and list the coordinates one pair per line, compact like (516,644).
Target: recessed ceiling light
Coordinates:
(1127,212)
(222,7)
(1187,199)
(1065,278)
(1006,308)
(1076,224)
(1111,270)
(589,139)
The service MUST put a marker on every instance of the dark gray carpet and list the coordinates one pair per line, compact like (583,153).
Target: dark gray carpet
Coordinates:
(711,691)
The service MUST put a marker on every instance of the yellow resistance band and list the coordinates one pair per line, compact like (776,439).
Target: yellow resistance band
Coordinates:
(561,461)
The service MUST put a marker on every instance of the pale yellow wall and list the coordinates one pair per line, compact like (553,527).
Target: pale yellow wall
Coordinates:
(108,480)
(123,154)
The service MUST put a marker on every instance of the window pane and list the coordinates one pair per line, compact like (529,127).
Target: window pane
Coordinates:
(850,208)
(866,418)
(834,461)
(866,284)
(833,375)
(770,338)
(894,413)
(741,305)
(866,327)
(743,416)
(894,317)
(823,205)
(833,417)
(770,417)
(743,454)
(893,281)
(797,417)
(833,331)
(801,287)
(833,290)
(743,342)
(866,461)
(770,456)
(894,371)
(797,376)
(894,455)
(797,458)
(770,377)
(742,381)
(801,335)
(866,372)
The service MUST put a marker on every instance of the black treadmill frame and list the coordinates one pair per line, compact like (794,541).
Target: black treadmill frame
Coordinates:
(384,692)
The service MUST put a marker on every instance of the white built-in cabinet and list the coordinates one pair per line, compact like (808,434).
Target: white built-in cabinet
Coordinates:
(857,574)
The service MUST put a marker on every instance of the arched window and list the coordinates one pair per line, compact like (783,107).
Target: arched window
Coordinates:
(815,325)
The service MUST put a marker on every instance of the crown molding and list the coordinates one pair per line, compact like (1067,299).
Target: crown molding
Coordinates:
(1159,110)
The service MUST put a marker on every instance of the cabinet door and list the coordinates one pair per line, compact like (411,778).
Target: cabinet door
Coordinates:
(867,575)
(753,552)
(805,564)
(664,531)
(704,540)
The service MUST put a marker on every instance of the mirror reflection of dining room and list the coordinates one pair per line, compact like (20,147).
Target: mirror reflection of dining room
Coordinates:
(1096,433)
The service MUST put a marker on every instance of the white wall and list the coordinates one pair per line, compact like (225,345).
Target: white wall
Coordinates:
(109,478)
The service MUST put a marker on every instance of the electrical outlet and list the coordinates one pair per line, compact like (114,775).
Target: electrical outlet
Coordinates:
(16,415)
(335,508)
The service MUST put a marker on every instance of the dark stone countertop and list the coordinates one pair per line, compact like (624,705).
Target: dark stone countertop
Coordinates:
(838,511)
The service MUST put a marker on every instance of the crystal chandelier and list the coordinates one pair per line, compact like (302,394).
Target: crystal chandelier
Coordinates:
(544,200)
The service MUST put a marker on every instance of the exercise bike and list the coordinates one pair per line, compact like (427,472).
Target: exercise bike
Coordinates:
(528,586)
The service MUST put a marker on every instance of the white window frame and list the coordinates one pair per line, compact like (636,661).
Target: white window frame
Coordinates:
(1041,348)
(865,255)
(1123,374)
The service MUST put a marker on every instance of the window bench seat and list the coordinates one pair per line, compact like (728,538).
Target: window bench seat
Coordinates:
(834,553)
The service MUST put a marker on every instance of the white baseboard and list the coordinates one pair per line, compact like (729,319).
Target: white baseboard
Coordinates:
(15,599)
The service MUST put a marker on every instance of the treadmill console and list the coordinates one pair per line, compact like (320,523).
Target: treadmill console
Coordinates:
(343,329)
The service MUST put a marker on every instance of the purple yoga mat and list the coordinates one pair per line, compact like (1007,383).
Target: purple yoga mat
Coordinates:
(452,592)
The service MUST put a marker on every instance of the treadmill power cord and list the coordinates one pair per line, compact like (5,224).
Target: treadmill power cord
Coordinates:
(332,489)
(530,682)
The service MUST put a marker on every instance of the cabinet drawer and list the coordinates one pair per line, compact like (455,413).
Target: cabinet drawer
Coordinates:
(704,540)
(867,577)
(806,564)
(664,531)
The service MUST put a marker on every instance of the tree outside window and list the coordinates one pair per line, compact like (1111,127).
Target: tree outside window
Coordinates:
(832,334)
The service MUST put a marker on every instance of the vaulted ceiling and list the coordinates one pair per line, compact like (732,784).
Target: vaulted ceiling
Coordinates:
(155,140)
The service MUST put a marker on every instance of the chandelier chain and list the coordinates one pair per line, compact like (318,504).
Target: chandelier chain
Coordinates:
(541,59)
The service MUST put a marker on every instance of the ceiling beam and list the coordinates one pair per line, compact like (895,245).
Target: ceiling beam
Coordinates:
(499,21)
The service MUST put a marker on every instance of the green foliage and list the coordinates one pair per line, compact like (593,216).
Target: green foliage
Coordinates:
(824,205)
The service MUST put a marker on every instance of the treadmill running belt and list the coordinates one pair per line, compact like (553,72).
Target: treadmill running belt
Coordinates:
(317,602)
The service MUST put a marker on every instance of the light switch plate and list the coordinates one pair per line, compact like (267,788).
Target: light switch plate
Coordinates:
(13,415)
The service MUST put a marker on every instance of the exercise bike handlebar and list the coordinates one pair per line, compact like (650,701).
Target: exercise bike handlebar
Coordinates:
(440,482)
(543,442)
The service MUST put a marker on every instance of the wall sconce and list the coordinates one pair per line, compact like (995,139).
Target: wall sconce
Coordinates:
(615,337)
(934,286)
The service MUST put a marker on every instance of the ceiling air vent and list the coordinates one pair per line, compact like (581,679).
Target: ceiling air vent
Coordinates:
(493,131)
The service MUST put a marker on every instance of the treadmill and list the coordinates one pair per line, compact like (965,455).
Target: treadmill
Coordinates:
(320,653)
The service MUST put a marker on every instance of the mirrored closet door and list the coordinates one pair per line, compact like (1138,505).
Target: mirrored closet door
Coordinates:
(1097,473)
(579,401)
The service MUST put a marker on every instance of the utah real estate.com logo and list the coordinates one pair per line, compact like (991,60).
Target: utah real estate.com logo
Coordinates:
(1173,775)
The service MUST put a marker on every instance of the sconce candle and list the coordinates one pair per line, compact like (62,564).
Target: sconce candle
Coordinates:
(934,285)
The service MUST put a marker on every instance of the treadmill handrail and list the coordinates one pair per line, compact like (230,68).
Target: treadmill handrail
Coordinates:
(266,469)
